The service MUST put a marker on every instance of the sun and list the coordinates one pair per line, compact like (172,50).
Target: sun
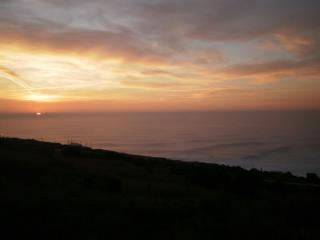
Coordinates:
(38,113)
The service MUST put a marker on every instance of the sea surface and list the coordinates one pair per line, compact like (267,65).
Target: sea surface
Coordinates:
(280,141)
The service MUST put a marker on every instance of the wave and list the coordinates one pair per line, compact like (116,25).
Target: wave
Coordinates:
(228,145)
(271,152)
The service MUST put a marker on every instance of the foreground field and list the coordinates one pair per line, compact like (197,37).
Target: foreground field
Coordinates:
(55,191)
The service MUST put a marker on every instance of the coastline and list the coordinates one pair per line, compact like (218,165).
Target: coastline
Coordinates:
(234,138)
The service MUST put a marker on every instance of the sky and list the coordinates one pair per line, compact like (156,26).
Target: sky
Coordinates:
(159,55)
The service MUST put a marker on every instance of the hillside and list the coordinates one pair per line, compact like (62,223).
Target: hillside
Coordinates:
(56,191)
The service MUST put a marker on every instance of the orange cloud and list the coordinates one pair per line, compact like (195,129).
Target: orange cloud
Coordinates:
(294,43)
(275,70)
(121,45)
(8,71)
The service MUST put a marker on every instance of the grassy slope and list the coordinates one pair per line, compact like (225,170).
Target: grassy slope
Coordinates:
(54,191)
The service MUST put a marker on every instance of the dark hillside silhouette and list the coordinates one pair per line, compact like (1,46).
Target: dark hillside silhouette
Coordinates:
(55,191)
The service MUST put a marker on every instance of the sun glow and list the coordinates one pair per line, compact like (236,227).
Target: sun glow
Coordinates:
(41,98)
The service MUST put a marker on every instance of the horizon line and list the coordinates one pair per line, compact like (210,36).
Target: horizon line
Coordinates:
(167,111)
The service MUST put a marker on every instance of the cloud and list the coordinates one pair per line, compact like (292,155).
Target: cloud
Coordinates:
(151,29)
(105,44)
(8,71)
(177,49)
(136,82)
(298,44)
(13,77)
(275,70)
(221,20)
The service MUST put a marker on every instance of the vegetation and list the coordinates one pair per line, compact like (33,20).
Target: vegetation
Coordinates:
(55,191)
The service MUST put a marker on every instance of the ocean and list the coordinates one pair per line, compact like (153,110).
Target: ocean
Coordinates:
(277,141)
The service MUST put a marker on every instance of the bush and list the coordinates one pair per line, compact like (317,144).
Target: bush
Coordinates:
(313,178)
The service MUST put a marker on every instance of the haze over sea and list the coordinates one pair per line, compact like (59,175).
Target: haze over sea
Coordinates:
(281,141)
